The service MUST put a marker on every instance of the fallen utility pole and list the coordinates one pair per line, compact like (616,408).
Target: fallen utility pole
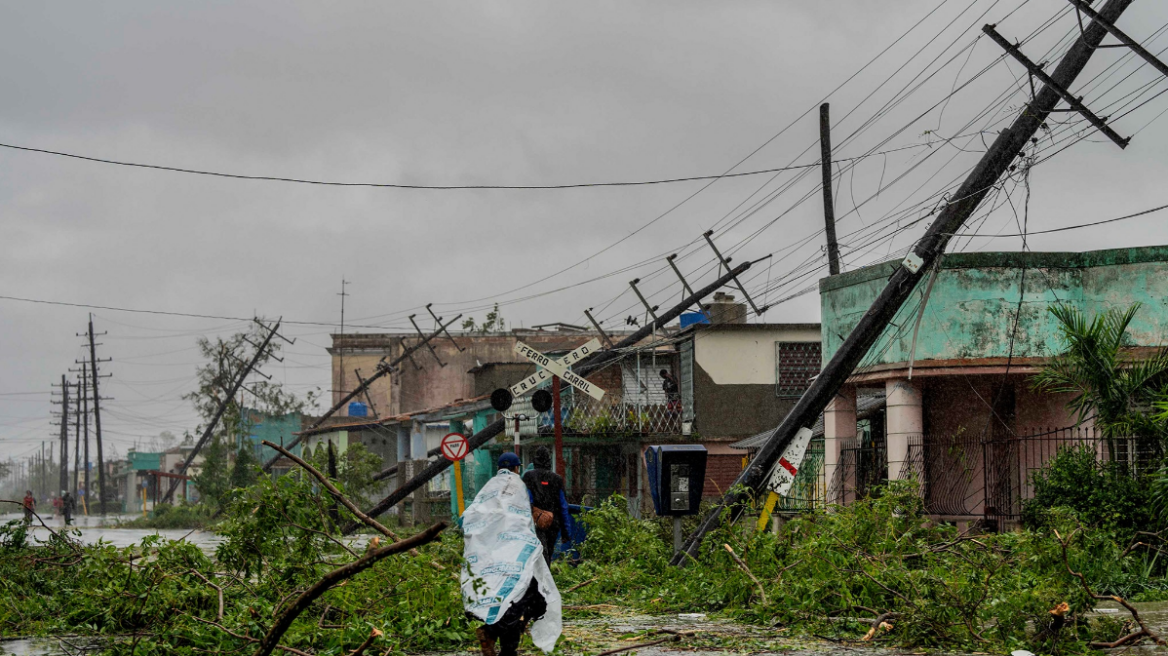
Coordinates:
(901,284)
(382,369)
(259,353)
(588,365)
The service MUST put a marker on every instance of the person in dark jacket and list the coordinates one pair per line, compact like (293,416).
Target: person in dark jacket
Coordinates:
(546,489)
(67,507)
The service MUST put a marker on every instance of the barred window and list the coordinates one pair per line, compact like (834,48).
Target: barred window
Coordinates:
(795,364)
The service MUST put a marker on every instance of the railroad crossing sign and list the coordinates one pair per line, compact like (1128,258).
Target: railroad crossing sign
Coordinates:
(783,475)
(454,447)
(553,367)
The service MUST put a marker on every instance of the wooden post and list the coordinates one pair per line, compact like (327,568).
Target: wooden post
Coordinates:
(828,201)
(558,423)
(458,486)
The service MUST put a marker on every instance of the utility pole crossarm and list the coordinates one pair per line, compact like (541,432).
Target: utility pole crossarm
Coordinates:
(901,284)
(1061,90)
(382,370)
(1119,34)
(737,283)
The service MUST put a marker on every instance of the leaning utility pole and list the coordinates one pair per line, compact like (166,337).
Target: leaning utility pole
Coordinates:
(996,161)
(383,369)
(261,350)
(585,367)
(828,202)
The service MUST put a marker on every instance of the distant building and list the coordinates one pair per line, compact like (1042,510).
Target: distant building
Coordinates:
(421,382)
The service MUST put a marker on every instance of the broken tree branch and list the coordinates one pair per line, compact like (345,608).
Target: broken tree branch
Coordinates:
(374,634)
(578,586)
(334,491)
(742,565)
(217,589)
(1144,631)
(673,638)
(272,639)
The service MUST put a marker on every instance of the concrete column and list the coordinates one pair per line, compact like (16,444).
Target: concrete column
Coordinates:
(839,426)
(403,442)
(905,422)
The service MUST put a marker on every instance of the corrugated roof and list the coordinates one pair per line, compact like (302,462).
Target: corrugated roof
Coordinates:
(866,406)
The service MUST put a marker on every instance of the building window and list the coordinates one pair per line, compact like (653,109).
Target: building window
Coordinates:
(795,364)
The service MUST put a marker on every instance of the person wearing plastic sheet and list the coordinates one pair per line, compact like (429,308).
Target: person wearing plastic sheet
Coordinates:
(549,506)
(503,585)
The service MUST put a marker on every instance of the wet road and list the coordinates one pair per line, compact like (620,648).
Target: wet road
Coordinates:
(105,529)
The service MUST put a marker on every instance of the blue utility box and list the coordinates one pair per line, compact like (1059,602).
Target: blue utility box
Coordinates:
(677,473)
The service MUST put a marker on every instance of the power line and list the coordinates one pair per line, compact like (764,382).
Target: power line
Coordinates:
(422,187)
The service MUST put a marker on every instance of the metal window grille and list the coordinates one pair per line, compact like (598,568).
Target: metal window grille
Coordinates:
(795,364)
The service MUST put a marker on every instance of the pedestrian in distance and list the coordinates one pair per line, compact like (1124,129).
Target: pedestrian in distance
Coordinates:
(505,584)
(549,506)
(29,506)
(68,505)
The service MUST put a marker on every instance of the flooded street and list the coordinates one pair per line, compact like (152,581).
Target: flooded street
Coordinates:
(94,529)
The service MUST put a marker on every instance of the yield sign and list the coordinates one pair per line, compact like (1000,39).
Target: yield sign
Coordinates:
(553,367)
(454,447)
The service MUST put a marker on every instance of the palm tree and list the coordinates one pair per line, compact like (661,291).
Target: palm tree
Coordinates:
(1110,383)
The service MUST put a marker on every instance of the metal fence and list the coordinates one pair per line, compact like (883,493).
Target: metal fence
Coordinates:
(976,476)
(862,466)
(1012,462)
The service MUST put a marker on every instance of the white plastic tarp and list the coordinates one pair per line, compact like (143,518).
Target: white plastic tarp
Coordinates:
(503,556)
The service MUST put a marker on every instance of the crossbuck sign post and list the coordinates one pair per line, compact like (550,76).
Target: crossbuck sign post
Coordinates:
(557,369)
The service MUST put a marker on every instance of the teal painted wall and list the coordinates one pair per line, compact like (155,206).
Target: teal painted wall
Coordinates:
(277,430)
(973,305)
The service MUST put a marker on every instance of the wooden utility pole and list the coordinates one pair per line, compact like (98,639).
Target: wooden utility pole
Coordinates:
(76,437)
(85,428)
(588,365)
(341,349)
(93,361)
(382,370)
(996,161)
(64,434)
(558,424)
(259,353)
(828,202)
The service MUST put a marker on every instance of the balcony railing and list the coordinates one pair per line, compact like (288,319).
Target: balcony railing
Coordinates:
(615,416)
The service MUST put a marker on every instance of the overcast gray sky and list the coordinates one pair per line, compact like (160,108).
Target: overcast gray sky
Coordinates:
(513,93)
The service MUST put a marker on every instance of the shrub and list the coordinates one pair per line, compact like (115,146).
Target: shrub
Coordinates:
(1102,495)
